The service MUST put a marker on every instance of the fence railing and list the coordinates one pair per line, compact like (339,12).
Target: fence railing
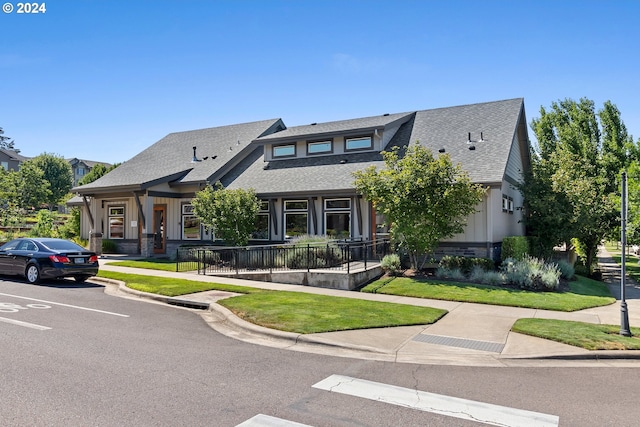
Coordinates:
(336,255)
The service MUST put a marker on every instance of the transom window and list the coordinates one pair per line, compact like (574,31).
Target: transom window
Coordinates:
(288,150)
(337,218)
(116,222)
(317,147)
(295,218)
(358,143)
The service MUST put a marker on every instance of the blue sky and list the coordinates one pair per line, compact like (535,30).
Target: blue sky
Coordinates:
(102,80)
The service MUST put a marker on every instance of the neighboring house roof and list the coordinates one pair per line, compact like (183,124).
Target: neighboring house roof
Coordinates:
(170,159)
(14,156)
(446,128)
(88,163)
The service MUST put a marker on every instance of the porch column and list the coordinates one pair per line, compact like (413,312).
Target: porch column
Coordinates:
(146,245)
(95,242)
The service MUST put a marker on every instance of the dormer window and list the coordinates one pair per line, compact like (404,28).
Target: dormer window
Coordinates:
(287,150)
(318,147)
(358,143)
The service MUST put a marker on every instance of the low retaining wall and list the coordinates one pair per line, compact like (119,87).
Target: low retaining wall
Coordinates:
(320,279)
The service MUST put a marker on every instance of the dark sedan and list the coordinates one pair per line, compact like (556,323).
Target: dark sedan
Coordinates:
(47,258)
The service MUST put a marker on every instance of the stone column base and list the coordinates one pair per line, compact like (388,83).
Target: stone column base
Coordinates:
(146,245)
(95,243)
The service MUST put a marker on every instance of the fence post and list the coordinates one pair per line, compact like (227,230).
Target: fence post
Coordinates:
(198,259)
(364,252)
(237,261)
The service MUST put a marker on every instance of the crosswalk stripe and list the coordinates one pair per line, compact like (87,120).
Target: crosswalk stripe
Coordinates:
(262,420)
(440,404)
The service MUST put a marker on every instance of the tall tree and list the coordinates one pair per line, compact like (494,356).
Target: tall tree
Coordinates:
(6,142)
(33,188)
(231,213)
(577,168)
(96,172)
(58,174)
(425,199)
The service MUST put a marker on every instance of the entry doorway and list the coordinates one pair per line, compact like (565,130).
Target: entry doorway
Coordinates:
(159,229)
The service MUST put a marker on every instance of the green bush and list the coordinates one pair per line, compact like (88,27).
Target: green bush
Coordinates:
(312,252)
(450,273)
(515,247)
(531,274)
(466,264)
(567,270)
(391,264)
(44,224)
(109,247)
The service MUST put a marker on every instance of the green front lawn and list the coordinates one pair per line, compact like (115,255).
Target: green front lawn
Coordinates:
(291,311)
(150,264)
(586,335)
(584,293)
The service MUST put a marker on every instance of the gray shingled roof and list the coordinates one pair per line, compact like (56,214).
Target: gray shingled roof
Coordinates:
(435,129)
(170,159)
(331,128)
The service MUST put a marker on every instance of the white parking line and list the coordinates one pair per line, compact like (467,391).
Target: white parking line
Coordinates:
(66,305)
(436,403)
(25,324)
(261,420)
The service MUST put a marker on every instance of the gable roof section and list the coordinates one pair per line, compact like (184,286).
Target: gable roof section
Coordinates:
(342,127)
(170,159)
(12,155)
(448,128)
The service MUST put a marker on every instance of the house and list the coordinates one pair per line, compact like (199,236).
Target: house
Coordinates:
(81,167)
(303,176)
(10,160)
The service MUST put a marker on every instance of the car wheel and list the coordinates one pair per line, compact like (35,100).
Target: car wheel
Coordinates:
(32,274)
(80,279)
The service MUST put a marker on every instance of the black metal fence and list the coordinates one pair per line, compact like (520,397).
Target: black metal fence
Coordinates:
(337,255)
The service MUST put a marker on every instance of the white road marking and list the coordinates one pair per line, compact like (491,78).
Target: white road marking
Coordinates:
(261,420)
(436,403)
(25,324)
(67,305)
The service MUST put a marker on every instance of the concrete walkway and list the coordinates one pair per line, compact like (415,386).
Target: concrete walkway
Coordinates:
(470,334)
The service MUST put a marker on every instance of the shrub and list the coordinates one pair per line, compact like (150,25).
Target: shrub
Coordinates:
(531,274)
(44,224)
(449,273)
(466,264)
(516,247)
(493,278)
(312,252)
(567,271)
(109,247)
(391,264)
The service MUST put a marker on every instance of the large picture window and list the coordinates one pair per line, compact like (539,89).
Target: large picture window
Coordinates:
(295,218)
(337,218)
(358,143)
(116,222)
(190,224)
(262,222)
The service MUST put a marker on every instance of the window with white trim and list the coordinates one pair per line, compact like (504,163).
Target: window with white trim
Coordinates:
(116,222)
(262,222)
(337,218)
(288,150)
(358,143)
(295,218)
(507,204)
(319,147)
(191,228)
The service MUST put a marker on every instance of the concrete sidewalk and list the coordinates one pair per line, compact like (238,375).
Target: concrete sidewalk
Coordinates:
(470,334)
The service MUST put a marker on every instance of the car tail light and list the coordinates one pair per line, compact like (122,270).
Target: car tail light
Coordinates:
(59,258)
(93,258)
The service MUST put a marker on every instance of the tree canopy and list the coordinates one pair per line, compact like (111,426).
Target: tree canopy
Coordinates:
(231,213)
(425,199)
(57,172)
(96,172)
(573,190)
(7,143)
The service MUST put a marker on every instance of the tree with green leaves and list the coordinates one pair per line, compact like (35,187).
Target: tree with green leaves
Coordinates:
(10,208)
(33,188)
(231,214)
(97,172)
(57,172)
(7,143)
(424,198)
(573,190)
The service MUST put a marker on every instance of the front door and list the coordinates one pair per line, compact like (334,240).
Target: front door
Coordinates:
(159,229)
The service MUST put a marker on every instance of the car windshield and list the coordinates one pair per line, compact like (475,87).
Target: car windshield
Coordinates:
(61,245)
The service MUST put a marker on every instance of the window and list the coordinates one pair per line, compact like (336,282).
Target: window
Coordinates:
(262,222)
(337,218)
(288,150)
(116,222)
(318,147)
(358,143)
(5,165)
(190,224)
(507,204)
(295,218)
(80,171)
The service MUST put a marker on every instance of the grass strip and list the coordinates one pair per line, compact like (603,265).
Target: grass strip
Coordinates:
(589,336)
(173,287)
(310,313)
(584,293)
(150,264)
